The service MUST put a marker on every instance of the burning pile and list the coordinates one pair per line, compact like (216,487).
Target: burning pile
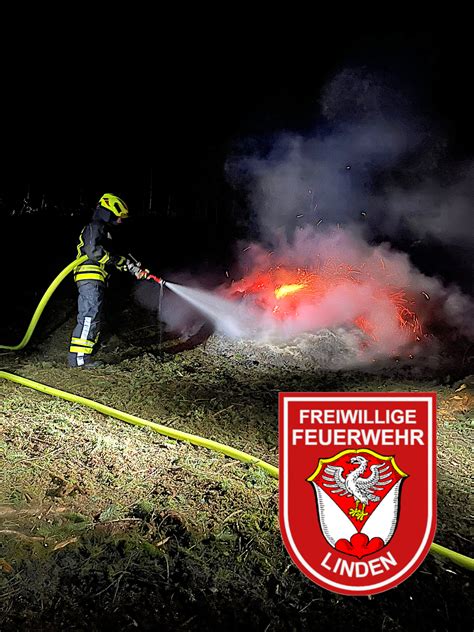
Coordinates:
(330,299)
(332,294)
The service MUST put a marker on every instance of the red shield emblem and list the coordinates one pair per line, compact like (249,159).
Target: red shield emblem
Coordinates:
(357,486)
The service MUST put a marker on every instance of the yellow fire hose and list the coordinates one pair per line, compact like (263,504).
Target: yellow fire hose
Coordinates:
(458,558)
(42,304)
(138,421)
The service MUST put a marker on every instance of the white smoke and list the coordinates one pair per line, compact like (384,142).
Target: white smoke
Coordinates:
(372,162)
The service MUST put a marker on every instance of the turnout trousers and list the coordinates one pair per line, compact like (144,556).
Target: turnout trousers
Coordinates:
(86,332)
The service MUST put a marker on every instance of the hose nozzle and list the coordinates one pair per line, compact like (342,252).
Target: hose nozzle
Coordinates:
(156,279)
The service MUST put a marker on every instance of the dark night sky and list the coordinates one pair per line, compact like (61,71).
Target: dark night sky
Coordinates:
(88,107)
(93,115)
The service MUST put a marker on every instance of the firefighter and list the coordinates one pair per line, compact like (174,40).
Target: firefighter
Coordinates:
(91,277)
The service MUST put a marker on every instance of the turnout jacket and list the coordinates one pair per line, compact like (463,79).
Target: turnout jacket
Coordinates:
(95,242)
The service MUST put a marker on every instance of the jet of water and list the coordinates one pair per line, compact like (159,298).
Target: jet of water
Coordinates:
(228,317)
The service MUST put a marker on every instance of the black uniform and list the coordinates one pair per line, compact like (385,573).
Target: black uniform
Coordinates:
(91,277)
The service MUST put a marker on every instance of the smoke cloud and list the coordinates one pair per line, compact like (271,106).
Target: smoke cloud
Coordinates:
(372,162)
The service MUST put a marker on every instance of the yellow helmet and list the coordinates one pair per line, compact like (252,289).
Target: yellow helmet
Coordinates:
(114,204)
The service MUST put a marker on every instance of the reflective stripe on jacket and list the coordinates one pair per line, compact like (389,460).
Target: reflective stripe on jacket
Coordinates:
(92,239)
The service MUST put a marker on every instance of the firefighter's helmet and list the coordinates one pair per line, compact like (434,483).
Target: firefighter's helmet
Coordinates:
(114,204)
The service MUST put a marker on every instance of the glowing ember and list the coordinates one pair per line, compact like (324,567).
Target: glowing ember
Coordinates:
(284,290)
(334,293)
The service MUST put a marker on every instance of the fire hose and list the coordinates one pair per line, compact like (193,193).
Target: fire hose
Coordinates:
(42,304)
(459,559)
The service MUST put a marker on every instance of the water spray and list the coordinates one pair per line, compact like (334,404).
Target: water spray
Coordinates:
(222,312)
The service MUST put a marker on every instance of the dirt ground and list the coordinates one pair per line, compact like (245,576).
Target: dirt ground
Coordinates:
(104,525)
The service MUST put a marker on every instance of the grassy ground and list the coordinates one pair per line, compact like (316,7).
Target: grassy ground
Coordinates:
(105,525)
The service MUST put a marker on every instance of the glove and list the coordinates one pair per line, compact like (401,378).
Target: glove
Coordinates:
(121,264)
